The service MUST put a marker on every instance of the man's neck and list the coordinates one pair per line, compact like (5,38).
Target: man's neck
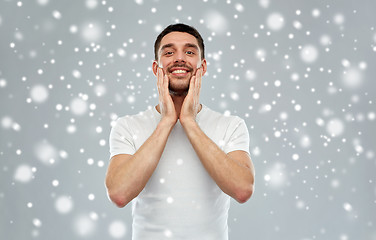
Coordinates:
(178,102)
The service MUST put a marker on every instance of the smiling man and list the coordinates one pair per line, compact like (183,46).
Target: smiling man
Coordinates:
(180,162)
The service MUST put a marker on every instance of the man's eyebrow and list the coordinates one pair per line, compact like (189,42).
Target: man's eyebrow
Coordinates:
(192,45)
(186,45)
(166,46)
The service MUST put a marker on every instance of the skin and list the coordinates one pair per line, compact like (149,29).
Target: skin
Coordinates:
(179,51)
(179,95)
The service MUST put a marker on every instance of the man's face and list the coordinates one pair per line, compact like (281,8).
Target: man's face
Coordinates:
(179,57)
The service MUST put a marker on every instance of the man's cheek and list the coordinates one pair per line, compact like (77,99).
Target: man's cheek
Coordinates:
(198,64)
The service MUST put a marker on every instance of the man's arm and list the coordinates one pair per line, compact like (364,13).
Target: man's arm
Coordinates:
(128,174)
(233,172)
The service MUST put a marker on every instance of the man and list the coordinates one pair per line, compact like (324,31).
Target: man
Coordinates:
(179,162)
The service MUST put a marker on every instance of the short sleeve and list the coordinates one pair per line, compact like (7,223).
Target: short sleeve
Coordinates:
(239,137)
(121,140)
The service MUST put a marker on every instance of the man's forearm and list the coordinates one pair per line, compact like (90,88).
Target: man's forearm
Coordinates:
(126,178)
(234,178)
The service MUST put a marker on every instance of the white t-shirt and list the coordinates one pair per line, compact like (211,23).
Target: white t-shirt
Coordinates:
(180,200)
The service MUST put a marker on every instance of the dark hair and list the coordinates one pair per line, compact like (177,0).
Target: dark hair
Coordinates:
(179,27)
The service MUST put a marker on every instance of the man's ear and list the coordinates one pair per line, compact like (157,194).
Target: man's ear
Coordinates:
(204,66)
(155,67)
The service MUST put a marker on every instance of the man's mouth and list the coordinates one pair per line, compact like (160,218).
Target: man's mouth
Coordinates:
(180,70)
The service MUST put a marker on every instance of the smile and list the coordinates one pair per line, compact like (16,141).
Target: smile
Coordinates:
(179,71)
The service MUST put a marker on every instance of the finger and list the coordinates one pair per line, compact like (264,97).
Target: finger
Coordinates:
(198,87)
(198,72)
(161,90)
(165,82)
(159,77)
(159,81)
(198,80)
(192,85)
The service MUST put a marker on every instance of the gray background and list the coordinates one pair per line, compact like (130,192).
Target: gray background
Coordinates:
(301,74)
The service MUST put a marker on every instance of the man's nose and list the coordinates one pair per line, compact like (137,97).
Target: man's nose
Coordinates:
(179,57)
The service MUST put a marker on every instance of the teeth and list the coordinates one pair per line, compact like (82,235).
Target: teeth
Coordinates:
(179,71)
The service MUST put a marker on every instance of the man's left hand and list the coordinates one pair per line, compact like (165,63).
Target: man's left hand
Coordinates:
(191,104)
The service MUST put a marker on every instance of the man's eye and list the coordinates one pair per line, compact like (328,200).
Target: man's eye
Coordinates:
(190,52)
(168,53)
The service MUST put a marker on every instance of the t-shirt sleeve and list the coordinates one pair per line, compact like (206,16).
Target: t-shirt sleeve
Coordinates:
(121,140)
(239,137)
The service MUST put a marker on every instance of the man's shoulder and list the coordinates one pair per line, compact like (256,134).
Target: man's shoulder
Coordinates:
(212,115)
(144,116)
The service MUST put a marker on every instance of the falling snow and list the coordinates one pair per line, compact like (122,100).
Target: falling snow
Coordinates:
(63,204)
(275,21)
(23,173)
(301,77)
(117,229)
(39,93)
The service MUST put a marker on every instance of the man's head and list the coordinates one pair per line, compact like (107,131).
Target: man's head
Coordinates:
(179,51)
(179,27)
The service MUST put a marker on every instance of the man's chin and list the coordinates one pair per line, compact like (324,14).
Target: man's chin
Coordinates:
(179,86)
(178,92)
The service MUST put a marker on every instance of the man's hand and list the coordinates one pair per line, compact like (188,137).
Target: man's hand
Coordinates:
(191,104)
(166,105)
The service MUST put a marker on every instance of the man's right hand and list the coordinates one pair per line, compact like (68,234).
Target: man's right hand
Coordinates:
(166,105)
